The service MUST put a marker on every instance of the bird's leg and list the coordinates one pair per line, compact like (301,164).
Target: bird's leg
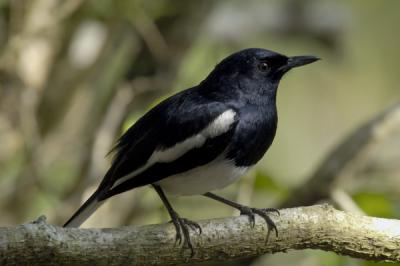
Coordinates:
(244,210)
(182,225)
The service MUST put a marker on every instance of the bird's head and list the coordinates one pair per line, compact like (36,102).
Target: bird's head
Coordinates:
(257,66)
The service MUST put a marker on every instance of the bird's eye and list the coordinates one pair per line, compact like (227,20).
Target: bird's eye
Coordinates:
(263,67)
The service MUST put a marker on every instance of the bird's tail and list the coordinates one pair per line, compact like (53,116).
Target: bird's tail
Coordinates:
(85,211)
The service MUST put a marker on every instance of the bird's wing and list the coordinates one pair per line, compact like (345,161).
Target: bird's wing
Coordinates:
(177,135)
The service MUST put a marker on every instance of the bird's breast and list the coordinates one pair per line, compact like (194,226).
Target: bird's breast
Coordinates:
(253,136)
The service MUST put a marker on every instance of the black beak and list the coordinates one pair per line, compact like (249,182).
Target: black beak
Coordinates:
(296,61)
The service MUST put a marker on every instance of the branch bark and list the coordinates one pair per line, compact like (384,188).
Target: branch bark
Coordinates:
(315,227)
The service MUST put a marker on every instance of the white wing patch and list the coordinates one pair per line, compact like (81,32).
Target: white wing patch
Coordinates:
(220,125)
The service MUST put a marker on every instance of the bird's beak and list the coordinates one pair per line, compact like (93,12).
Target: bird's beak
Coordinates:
(296,61)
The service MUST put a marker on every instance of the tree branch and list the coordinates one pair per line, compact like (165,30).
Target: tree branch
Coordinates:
(315,227)
(346,157)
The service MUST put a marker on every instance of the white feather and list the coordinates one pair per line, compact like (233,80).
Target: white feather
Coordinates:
(218,126)
(212,176)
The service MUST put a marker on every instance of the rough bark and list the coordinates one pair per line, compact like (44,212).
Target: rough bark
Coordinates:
(315,227)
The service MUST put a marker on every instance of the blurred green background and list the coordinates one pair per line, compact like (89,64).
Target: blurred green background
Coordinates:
(75,74)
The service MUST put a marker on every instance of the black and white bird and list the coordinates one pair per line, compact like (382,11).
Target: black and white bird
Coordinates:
(201,139)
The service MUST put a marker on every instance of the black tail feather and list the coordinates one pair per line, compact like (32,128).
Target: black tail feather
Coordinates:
(85,211)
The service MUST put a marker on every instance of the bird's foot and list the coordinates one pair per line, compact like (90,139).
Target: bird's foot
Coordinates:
(182,226)
(250,212)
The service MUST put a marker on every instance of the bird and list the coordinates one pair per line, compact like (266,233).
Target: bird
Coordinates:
(201,139)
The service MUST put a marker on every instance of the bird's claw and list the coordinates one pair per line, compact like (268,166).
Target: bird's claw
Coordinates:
(250,214)
(193,225)
(264,214)
(271,210)
(182,226)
